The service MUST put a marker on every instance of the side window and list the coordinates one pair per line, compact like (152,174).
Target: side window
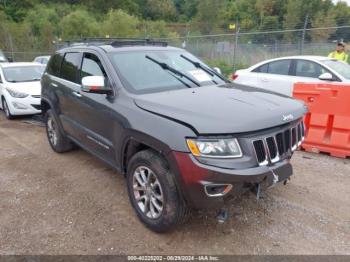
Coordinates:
(92,66)
(279,67)
(70,67)
(54,66)
(261,69)
(309,69)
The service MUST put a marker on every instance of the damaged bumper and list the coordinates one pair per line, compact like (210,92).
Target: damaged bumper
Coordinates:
(207,186)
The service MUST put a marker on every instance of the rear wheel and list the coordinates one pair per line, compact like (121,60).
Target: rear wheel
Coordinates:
(153,193)
(6,109)
(58,141)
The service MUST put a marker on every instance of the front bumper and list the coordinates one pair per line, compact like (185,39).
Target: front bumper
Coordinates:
(194,176)
(24,106)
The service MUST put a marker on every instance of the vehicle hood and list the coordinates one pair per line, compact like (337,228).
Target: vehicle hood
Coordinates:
(223,109)
(31,88)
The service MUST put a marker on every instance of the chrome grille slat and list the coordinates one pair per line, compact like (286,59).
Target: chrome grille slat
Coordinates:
(294,139)
(271,149)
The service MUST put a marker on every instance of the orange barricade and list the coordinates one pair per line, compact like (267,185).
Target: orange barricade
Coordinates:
(328,121)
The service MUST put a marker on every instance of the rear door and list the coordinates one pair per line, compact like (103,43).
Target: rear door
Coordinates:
(277,77)
(68,91)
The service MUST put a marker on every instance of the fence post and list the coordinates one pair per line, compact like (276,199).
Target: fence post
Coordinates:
(235,48)
(303,34)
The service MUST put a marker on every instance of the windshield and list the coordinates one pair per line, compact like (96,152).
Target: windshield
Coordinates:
(162,70)
(341,68)
(2,57)
(23,73)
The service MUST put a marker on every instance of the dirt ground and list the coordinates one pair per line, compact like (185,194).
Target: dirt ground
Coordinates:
(74,204)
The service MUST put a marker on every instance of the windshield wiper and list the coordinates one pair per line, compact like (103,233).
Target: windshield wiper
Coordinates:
(165,66)
(208,70)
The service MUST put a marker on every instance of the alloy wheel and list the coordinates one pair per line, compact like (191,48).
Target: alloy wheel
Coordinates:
(6,109)
(148,192)
(52,131)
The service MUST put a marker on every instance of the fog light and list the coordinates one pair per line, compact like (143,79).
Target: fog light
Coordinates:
(19,105)
(217,190)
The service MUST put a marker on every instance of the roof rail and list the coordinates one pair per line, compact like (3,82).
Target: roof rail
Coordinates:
(116,42)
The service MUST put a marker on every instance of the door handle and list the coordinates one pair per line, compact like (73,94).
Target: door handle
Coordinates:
(264,80)
(77,94)
(54,85)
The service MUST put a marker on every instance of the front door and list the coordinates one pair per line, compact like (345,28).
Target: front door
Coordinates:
(95,112)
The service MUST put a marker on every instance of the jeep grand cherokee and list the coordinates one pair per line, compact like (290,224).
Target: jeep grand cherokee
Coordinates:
(182,134)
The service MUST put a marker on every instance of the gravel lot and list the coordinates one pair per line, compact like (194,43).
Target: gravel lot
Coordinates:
(74,204)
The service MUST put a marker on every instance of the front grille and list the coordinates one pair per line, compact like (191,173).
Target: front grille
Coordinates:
(260,151)
(271,149)
(36,96)
(37,107)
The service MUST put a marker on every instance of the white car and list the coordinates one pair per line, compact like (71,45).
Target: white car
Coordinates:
(3,58)
(20,88)
(42,59)
(280,74)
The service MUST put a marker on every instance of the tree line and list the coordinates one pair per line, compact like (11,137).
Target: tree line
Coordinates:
(37,25)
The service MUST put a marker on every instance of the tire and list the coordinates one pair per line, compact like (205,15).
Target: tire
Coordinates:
(159,183)
(6,109)
(58,142)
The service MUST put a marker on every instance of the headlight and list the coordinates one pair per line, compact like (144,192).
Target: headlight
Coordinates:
(215,148)
(16,94)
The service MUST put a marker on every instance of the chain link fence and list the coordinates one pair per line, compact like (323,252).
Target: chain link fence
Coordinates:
(240,50)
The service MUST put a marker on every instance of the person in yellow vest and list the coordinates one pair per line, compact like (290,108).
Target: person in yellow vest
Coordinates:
(339,52)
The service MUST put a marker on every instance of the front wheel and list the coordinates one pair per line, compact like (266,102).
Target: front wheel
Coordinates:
(6,109)
(153,193)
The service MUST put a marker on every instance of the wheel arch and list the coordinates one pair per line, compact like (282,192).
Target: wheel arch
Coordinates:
(48,105)
(136,142)
(45,106)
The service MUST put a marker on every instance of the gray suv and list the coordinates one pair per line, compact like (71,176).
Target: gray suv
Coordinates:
(182,134)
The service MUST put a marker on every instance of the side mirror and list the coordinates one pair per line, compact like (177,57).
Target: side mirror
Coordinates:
(95,84)
(326,77)
(10,59)
(218,70)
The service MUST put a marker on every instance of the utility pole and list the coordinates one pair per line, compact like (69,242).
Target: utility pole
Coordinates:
(303,34)
(237,27)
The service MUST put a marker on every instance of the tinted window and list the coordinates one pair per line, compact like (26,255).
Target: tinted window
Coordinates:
(92,66)
(53,68)
(279,67)
(70,66)
(261,69)
(308,69)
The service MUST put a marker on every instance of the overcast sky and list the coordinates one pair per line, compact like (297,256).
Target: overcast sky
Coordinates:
(347,1)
